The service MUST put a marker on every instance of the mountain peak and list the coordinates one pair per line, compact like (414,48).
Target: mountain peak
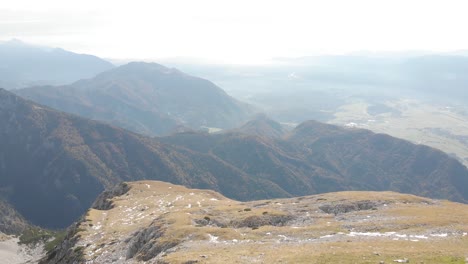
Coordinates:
(261,125)
(14,42)
(311,130)
(23,64)
(21,46)
(147,98)
(141,68)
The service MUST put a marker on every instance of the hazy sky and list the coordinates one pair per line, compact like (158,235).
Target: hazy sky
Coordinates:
(237,31)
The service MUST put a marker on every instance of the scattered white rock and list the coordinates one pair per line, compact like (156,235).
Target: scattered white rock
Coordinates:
(439,235)
(283,238)
(12,252)
(369,234)
(393,235)
(213,239)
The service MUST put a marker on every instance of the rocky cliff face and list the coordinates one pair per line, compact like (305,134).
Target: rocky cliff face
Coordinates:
(156,222)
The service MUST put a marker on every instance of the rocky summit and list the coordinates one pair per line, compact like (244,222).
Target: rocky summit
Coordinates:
(157,222)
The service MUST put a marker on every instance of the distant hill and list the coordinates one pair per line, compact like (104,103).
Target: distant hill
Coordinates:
(262,126)
(317,158)
(24,65)
(147,98)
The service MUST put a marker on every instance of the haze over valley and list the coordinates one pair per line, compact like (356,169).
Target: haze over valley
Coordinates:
(420,97)
(247,132)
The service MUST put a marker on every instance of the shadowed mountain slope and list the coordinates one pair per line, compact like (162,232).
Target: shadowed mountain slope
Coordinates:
(53,165)
(317,157)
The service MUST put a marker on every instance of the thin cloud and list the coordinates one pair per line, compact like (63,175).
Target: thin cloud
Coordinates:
(237,31)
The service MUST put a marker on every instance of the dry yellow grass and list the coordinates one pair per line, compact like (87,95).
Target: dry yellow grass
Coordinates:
(210,228)
(3,237)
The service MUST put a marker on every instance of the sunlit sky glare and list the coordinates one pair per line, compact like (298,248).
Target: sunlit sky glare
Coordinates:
(240,31)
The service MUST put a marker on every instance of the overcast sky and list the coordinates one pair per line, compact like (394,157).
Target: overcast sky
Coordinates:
(237,31)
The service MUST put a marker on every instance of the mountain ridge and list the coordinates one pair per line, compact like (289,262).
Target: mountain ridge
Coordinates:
(23,64)
(54,165)
(333,158)
(147,98)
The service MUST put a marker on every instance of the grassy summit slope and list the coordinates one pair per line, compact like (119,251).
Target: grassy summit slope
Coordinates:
(165,223)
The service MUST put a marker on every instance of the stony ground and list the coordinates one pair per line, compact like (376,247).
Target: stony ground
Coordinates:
(13,253)
(157,222)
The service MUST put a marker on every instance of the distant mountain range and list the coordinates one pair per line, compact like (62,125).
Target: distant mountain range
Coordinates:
(24,65)
(147,98)
(317,157)
(429,75)
(53,165)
